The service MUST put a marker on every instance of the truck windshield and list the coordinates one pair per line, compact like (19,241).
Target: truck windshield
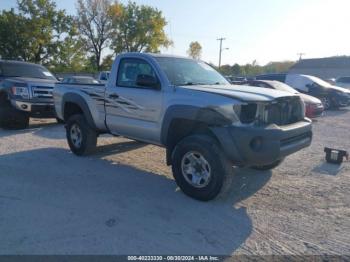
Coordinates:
(25,70)
(182,71)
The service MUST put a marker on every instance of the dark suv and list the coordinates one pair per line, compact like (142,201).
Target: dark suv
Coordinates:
(25,91)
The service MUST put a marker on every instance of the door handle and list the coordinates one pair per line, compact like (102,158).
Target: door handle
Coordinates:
(114,96)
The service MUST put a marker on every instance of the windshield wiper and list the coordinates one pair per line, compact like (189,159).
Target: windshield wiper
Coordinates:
(191,84)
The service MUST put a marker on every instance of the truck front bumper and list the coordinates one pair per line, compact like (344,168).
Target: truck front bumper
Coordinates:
(253,146)
(38,110)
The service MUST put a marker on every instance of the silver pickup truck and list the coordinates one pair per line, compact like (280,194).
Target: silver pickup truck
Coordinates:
(206,125)
(25,91)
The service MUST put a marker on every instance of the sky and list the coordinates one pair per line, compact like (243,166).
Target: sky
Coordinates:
(268,30)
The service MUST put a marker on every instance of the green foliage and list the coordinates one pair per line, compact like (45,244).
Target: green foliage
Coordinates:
(70,54)
(254,69)
(138,28)
(95,26)
(195,50)
(34,33)
(107,62)
(13,40)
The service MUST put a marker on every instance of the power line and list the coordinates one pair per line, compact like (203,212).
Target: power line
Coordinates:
(221,49)
(300,56)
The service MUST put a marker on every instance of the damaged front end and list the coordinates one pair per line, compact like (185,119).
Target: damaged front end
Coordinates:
(263,132)
(281,111)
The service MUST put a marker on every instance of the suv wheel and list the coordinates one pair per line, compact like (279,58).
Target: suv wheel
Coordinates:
(10,117)
(82,139)
(200,168)
(326,102)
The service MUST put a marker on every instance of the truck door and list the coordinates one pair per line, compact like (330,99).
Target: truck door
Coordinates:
(131,110)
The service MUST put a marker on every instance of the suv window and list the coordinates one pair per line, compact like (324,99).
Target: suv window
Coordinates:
(130,68)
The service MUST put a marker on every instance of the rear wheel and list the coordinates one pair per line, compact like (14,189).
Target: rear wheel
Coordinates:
(82,139)
(200,168)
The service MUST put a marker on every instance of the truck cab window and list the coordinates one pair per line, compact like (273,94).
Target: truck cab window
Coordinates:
(129,69)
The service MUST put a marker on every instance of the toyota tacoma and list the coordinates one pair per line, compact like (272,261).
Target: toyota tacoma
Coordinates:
(206,125)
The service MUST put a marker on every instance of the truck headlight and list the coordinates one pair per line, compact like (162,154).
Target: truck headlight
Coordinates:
(20,90)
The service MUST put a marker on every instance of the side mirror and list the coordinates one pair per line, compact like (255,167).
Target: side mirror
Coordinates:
(147,81)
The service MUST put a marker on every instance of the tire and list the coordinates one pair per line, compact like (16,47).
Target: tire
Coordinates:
(215,164)
(268,167)
(10,117)
(326,102)
(81,138)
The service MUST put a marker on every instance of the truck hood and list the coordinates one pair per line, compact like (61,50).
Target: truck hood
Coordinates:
(32,80)
(242,93)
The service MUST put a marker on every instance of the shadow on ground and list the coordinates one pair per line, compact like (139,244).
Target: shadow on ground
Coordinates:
(58,203)
(336,112)
(40,128)
(328,169)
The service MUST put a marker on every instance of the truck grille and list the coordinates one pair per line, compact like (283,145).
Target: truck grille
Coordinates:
(284,111)
(42,91)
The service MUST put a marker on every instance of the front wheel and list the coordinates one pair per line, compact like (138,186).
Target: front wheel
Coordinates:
(82,139)
(10,117)
(200,168)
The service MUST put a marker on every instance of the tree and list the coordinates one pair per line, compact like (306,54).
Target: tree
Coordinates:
(13,43)
(107,62)
(195,50)
(236,70)
(226,70)
(95,25)
(70,54)
(34,32)
(138,28)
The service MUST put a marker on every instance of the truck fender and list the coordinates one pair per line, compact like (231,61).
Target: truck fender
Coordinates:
(206,116)
(79,101)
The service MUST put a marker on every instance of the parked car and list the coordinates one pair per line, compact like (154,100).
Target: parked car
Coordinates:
(343,81)
(330,95)
(274,77)
(186,106)
(236,80)
(103,77)
(313,106)
(80,80)
(25,91)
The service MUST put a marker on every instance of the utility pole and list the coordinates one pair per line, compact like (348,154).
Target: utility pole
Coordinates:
(300,56)
(220,52)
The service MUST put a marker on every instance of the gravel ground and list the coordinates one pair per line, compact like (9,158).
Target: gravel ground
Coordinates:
(123,200)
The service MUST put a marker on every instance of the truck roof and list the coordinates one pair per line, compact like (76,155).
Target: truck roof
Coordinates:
(155,55)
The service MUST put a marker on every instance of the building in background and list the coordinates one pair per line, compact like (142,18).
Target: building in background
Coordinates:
(325,68)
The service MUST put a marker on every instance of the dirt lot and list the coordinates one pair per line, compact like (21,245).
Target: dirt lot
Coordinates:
(123,200)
